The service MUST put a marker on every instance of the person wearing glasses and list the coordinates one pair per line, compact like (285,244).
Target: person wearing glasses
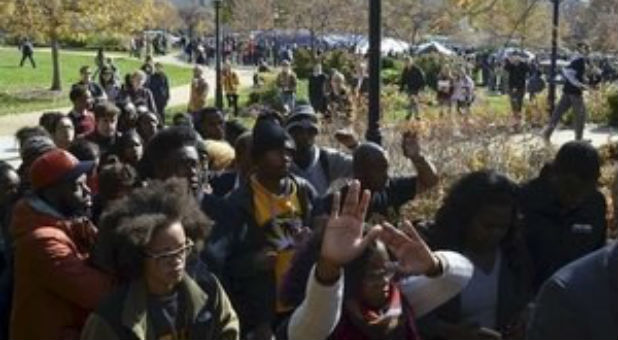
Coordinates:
(154,234)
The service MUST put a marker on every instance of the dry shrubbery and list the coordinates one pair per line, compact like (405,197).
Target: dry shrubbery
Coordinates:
(457,147)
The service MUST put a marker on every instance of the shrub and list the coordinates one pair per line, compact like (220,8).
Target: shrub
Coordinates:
(109,43)
(601,106)
(389,63)
(612,102)
(391,76)
(431,64)
(267,94)
(340,60)
(304,60)
(94,41)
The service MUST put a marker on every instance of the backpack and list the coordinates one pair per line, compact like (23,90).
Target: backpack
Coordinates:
(536,84)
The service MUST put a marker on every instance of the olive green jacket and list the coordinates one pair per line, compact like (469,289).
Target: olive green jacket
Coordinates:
(123,315)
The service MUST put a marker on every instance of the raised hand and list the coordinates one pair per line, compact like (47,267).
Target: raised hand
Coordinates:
(347,138)
(410,145)
(343,236)
(413,254)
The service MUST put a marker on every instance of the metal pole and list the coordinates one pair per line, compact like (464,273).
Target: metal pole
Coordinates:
(554,57)
(373,125)
(218,93)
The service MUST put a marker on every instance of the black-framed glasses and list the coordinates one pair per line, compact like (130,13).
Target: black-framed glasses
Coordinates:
(168,256)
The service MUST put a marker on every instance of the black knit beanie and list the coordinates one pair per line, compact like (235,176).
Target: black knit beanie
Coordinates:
(268,135)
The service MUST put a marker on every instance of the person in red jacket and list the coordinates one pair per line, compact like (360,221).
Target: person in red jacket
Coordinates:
(55,288)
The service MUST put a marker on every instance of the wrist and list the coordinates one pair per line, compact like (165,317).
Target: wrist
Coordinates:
(436,269)
(418,157)
(327,273)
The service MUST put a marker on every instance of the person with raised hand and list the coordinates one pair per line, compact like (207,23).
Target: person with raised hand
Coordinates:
(355,290)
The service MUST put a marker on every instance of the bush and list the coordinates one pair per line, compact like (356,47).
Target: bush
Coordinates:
(612,114)
(431,64)
(340,60)
(391,77)
(94,41)
(267,94)
(601,106)
(304,60)
(389,63)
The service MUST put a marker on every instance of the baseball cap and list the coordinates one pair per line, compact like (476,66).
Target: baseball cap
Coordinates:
(56,166)
(303,117)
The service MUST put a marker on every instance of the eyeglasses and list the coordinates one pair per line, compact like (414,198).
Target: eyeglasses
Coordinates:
(379,276)
(172,255)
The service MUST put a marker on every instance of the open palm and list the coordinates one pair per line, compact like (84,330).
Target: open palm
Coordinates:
(413,254)
(343,236)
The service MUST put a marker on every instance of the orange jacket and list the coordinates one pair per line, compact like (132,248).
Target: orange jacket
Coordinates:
(230,82)
(55,289)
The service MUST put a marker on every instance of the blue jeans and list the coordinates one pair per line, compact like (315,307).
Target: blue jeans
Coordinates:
(288,99)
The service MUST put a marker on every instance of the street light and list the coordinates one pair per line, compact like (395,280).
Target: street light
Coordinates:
(373,124)
(554,57)
(218,89)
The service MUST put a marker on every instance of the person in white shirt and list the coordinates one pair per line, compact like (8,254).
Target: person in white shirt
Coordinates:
(388,307)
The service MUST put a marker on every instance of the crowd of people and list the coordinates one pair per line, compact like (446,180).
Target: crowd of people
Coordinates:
(117,225)
(202,50)
(514,74)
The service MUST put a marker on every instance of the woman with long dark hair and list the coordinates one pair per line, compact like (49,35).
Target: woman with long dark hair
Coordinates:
(479,218)
(109,83)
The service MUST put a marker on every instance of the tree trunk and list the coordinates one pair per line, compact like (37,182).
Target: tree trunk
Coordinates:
(56,84)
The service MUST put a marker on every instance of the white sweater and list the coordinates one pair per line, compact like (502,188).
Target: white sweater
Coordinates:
(318,315)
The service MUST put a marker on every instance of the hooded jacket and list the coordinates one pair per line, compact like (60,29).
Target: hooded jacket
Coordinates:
(123,315)
(55,289)
(556,236)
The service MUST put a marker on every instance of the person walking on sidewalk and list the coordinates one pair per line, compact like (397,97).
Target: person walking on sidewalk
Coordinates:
(286,83)
(230,86)
(412,82)
(573,95)
(160,87)
(27,52)
(199,90)
(518,72)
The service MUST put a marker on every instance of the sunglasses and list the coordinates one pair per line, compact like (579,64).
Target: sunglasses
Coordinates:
(172,255)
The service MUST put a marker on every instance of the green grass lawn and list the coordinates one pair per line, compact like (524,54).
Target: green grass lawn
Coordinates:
(26,89)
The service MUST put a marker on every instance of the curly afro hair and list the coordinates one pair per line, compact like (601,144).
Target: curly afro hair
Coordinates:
(128,225)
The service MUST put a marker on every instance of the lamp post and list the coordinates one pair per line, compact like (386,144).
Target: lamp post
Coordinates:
(554,57)
(218,89)
(373,125)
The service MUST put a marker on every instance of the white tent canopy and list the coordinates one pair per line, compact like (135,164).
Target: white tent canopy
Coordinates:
(434,47)
(389,45)
(501,54)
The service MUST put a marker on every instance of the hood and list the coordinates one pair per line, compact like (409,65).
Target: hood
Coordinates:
(538,194)
(31,213)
